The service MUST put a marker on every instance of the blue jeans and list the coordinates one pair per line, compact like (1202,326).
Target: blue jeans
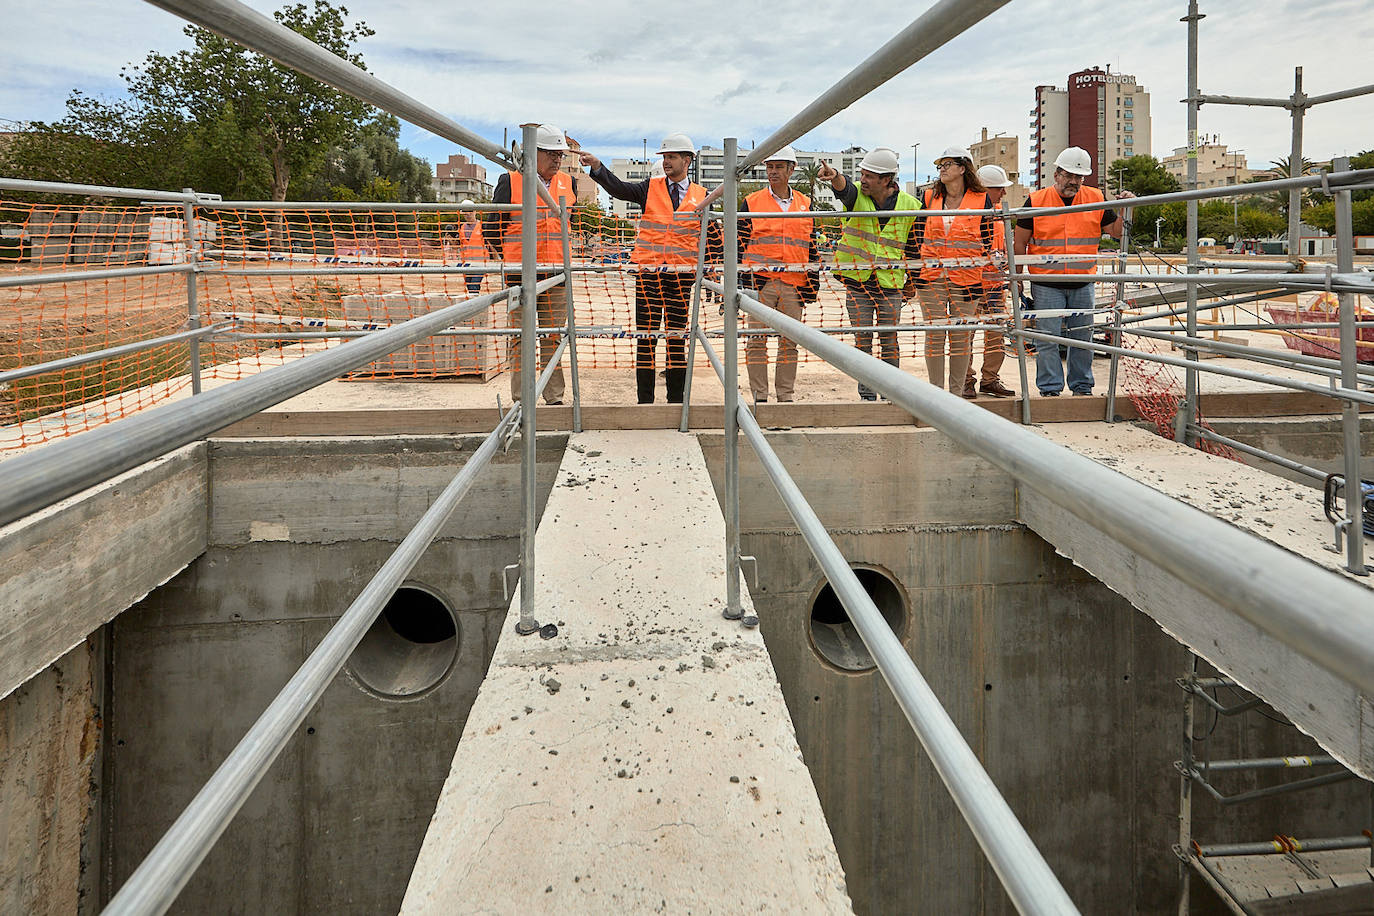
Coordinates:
(1049,369)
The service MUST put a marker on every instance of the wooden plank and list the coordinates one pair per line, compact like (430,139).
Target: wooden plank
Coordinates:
(450,421)
(1334,901)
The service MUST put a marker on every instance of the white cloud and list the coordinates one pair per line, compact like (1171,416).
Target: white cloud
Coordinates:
(612,75)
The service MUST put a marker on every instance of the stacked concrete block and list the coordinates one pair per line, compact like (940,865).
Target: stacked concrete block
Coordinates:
(431,358)
(50,236)
(167,238)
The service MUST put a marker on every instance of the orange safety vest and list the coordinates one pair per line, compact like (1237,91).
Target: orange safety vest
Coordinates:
(962,239)
(665,237)
(548,228)
(779,241)
(995,277)
(470,242)
(1066,233)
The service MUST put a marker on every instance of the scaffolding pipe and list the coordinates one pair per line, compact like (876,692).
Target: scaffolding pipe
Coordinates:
(90,276)
(1026,877)
(1317,613)
(95,356)
(92,190)
(729,288)
(1295,168)
(529,356)
(38,478)
(188,214)
(1350,413)
(571,337)
(1187,415)
(1280,847)
(937,26)
(1348,394)
(1301,761)
(1276,357)
(157,881)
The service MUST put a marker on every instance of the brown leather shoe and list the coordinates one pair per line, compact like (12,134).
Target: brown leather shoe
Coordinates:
(997,389)
(970,391)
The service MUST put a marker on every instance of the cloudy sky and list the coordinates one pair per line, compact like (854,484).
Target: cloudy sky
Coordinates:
(614,72)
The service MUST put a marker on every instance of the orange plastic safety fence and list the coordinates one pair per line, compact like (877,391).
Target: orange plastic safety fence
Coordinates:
(275,272)
(1156,393)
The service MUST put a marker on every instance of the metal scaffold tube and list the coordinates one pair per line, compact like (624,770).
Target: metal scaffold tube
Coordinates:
(1350,412)
(42,476)
(157,881)
(1317,613)
(733,610)
(936,27)
(529,353)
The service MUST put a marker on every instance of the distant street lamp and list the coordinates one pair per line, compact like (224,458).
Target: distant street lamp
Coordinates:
(1235,201)
(1159,221)
(915,178)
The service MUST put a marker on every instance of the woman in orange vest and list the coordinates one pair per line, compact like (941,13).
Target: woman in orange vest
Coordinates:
(666,238)
(954,291)
(470,247)
(777,244)
(995,179)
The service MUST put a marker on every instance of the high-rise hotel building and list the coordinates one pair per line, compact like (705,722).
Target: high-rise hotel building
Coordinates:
(1106,113)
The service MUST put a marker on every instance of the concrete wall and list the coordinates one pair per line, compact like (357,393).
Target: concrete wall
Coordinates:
(1063,689)
(297,529)
(49,768)
(1315,441)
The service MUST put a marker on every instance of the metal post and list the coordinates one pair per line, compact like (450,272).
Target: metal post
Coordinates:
(529,349)
(1350,411)
(572,322)
(1297,108)
(1018,320)
(733,611)
(1114,335)
(1188,415)
(188,210)
(1185,790)
(695,323)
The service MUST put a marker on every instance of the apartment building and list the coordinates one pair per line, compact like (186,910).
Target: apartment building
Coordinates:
(458,179)
(1216,165)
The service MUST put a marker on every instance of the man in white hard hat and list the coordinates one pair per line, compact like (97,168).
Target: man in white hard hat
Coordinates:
(995,180)
(1066,235)
(874,294)
(780,250)
(503,236)
(666,253)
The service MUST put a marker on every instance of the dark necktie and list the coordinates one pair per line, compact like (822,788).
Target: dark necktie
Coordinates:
(673,192)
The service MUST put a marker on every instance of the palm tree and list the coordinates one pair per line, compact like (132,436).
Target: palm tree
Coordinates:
(1282,166)
(807,177)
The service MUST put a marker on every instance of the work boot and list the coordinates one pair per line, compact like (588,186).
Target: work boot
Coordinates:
(675,380)
(970,391)
(644,385)
(997,389)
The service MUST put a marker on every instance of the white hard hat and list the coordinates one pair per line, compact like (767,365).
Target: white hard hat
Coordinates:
(994,176)
(1075,160)
(954,152)
(466,202)
(550,138)
(677,143)
(786,154)
(882,160)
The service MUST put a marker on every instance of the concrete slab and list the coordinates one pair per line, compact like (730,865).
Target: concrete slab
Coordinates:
(70,568)
(1321,704)
(643,759)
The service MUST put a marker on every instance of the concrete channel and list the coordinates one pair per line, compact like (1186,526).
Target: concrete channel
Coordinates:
(147,622)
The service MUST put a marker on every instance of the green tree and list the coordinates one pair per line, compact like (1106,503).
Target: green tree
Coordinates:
(372,153)
(1142,175)
(216,117)
(1323,216)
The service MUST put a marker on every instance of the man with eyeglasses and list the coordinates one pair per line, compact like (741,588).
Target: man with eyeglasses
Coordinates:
(502,234)
(1073,238)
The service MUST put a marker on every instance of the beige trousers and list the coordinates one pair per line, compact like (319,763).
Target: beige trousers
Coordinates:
(553,313)
(941,300)
(786,298)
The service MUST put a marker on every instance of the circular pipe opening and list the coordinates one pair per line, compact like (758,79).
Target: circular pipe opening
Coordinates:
(833,635)
(410,648)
